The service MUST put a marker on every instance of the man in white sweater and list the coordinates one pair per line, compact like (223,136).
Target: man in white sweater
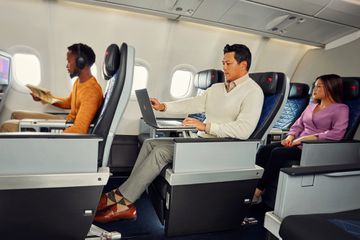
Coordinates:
(232,110)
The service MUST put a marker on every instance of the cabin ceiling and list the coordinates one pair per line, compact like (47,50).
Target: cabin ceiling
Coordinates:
(315,22)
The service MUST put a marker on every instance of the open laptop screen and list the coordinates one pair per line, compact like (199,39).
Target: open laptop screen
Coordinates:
(145,107)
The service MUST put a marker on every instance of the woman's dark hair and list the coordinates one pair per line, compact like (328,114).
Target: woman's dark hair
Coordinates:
(333,86)
(83,50)
(242,53)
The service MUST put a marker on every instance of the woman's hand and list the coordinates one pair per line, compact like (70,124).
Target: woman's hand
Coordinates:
(299,140)
(288,141)
(194,122)
(157,105)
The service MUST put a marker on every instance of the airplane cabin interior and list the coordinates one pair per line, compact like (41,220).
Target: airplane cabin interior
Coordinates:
(52,182)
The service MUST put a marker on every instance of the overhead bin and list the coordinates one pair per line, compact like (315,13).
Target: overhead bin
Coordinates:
(312,22)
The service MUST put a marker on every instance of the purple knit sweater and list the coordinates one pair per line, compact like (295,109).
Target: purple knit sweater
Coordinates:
(329,123)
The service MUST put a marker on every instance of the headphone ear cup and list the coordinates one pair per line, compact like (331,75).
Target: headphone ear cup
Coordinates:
(80,62)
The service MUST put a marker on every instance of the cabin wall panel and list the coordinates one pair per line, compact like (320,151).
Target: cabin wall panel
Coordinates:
(25,23)
(280,56)
(343,60)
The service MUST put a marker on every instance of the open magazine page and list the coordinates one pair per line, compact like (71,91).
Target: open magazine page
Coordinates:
(43,94)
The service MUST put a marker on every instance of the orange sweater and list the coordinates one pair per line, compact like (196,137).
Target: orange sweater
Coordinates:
(84,100)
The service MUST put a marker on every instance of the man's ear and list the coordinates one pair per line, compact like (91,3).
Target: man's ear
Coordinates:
(243,65)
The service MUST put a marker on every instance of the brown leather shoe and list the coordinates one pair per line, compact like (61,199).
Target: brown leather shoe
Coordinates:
(103,202)
(111,214)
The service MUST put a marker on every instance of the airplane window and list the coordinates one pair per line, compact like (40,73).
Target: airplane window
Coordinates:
(94,71)
(26,69)
(140,78)
(181,83)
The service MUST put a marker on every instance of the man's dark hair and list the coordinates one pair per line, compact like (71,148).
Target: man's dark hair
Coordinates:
(333,86)
(242,53)
(83,50)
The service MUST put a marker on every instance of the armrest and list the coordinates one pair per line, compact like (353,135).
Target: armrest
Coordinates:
(214,155)
(39,153)
(276,131)
(43,125)
(311,170)
(276,135)
(317,153)
(328,189)
(202,140)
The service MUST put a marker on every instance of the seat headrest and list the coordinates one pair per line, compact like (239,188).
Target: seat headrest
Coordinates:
(298,90)
(204,79)
(351,88)
(111,61)
(268,81)
(220,75)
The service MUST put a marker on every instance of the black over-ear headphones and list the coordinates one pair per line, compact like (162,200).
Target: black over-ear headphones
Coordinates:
(80,60)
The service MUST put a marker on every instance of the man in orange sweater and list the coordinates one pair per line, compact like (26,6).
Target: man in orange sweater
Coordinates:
(84,100)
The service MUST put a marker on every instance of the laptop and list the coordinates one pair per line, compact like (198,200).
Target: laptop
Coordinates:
(149,116)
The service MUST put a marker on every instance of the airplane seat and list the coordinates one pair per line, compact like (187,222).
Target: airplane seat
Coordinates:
(312,180)
(117,71)
(273,85)
(352,99)
(323,196)
(110,67)
(198,183)
(51,183)
(297,101)
(327,152)
(340,225)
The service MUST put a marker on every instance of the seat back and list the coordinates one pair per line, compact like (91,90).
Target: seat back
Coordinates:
(275,86)
(118,70)
(202,81)
(351,96)
(296,103)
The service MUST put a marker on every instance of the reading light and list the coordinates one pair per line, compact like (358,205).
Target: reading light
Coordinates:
(282,23)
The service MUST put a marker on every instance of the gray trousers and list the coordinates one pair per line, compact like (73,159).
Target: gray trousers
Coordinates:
(154,155)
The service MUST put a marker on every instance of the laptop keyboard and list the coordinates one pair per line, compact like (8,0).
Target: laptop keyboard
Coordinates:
(169,123)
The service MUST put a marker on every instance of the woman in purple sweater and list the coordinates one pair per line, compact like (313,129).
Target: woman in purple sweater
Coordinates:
(325,119)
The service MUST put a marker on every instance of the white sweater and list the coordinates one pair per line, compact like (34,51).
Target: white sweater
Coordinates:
(231,114)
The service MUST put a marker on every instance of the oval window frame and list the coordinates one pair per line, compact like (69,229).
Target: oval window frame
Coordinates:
(22,49)
(190,90)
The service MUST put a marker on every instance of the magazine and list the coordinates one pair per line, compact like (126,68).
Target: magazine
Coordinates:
(43,94)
